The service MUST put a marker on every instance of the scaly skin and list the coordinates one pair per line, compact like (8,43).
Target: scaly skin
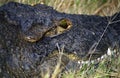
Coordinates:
(34,21)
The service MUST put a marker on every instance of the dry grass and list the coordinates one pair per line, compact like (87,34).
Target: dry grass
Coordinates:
(99,7)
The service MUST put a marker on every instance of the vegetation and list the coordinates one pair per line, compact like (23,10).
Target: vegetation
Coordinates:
(108,67)
(100,7)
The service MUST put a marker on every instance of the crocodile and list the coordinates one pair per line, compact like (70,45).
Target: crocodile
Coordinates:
(29,37)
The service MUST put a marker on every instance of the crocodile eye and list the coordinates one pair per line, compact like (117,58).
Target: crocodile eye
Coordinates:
(62,26)
(65,23)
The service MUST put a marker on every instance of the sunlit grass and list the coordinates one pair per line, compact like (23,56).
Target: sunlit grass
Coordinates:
(109,67)
(99,7)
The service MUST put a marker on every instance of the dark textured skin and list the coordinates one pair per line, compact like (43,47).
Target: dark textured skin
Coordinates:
(33,21)
(22,59)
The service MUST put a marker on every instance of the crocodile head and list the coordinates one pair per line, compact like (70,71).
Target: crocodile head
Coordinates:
(34,21)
